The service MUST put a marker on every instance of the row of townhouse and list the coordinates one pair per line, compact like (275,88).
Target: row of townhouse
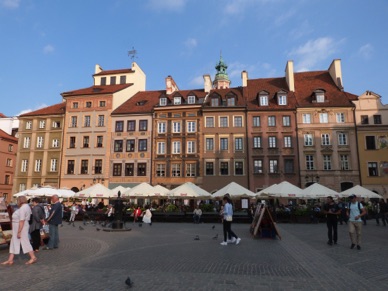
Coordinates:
(302,127)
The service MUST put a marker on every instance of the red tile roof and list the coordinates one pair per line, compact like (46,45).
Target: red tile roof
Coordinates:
(4,135)
(141,102)
(2,115)
(97,90)
(56,109)
(113,72)
(240,101)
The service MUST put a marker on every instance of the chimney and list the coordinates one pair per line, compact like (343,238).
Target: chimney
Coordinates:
(97,69)
(171,86)
(207,83)
(244,77)
(290,76)
(336,73)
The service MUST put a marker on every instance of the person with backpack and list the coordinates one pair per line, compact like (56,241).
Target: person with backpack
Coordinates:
(355,212)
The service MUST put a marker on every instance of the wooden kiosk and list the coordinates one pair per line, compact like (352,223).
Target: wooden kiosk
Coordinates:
(263,225)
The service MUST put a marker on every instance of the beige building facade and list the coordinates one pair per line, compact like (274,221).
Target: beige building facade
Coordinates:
(8,151)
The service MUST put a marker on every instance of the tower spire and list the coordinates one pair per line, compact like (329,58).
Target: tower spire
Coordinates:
(221,79)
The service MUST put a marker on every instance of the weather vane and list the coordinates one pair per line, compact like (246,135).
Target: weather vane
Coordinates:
(132,53)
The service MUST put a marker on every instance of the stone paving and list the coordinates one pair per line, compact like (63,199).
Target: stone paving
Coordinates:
(165,256)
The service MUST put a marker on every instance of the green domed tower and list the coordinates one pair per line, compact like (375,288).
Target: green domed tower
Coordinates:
(221,80)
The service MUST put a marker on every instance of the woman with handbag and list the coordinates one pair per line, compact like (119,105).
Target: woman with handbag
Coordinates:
(227,223)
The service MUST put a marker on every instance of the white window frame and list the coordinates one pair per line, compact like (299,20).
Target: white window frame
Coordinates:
(42,124)
(209,121)
(287,140)
(320,97)
(326,162)
(176,147)
(325,139)
(237,121)
(163,101)
(190,147)
(344,162)
(39,142)
(256,121)
(273,166)
(176,127)
(323,117)
(340,117)
(26,142)
(272,142)
(191,126)
(271,121)
(263,100)
(191,170)
(177,100)
(53,165)
(224,143)
(310,162)
(161,148)
(176,170)
(257,166)
(238,144)
(38,165)
(342,138)
(223,118)
(28,124)
(208,144)
(162,127)
(308,140)
(257,142)
(191,99)
(282,99)
(24,166)
(55,143)
(306,118)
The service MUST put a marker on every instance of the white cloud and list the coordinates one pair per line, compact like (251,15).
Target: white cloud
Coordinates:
(235,7)
(313,52)
(48,49)
(170,5)
(191,43)
(197,81)
(30,110)
(303,29)
(366,51)
(11,4)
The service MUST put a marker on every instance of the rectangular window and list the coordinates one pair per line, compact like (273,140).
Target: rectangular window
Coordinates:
(53,165)
(113,80)
(161,148)
(223,144)
(73,121)
(190,147)
(287,141)
(129,169)
(101,120)
(238,121)
(287,120)
(238,168)
(99,141)
(26,143)
(344,160)
(56,124)
(282,100)
(160,170)
(325,139)
(28,124)
(238,144)
(176,170)
(308,139)
(119,126)
(24,166)
(39,142)
(256,121)
(142,145)
(55,143)
(370,142)
(123,79)
(257,142)
(163,101)
(98,166)
(273,166)
(224,168)
(38,165)
(342,138)
(231,101)
(72,142)
(271,121)
(209,144)
(323,118)
(87,121)
(372,169)
(377,119)
(161,127)
(130,146)
(7,180)
(209,121)
(191,126)
(272,142)
(70,167)
(176,127)
(364,119)
(10,148)
(176,147)
(309,162)
(288,166)
(263,100)
(88,104)
(190,170)
(103,81)
(118,146)
(257,166)
(320,97)
(86,141)
(9,162)
(84,166)
(340,117)
(141,169)
(306,118)
(75,105)
(102,103)
(131,125)
(191,99)
(117,169)
(42,124)
(326,162)
(224,121)
(177,100)
(214,102)
(143,125)
(209,168)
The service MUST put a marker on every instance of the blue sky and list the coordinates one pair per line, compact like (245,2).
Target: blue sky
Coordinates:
(51,46)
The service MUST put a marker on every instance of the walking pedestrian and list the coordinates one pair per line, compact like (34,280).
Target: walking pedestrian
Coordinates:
(229,235)
(73,213)
(54,219)
(355,212)
(36,223)
(332,211)
(382,210)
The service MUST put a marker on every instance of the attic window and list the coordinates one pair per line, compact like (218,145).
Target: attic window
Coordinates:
(177,100)
(319,96)
(96,90)
(263,100)
(141,103)
(231,101)
(103,81)
(191,99)
(282,98)
(163,101)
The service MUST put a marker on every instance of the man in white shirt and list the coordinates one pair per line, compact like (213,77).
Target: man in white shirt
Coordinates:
(355,211)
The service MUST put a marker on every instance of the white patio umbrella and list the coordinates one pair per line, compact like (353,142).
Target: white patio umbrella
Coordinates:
(45,191)
(24,192)
(188,190)
(142,190)
(116,190)
(160,191)
(317,190)
(66,193)
(265,191)
(360,191)
(235,191)
(96,191)
(286,189)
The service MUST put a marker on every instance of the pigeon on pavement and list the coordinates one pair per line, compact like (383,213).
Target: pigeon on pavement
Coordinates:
(216,236)
(81,228)
(129,282)
(196,237)
(213,227)
(98,229)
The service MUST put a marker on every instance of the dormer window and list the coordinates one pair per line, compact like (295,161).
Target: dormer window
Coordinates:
(103,81)
(263,100)
(319,96)
(282,98)
(177,100)
(191,99)
(163,101)
(214,102)
(231,101)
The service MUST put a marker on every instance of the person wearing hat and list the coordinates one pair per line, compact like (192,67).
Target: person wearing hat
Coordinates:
(355,211)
